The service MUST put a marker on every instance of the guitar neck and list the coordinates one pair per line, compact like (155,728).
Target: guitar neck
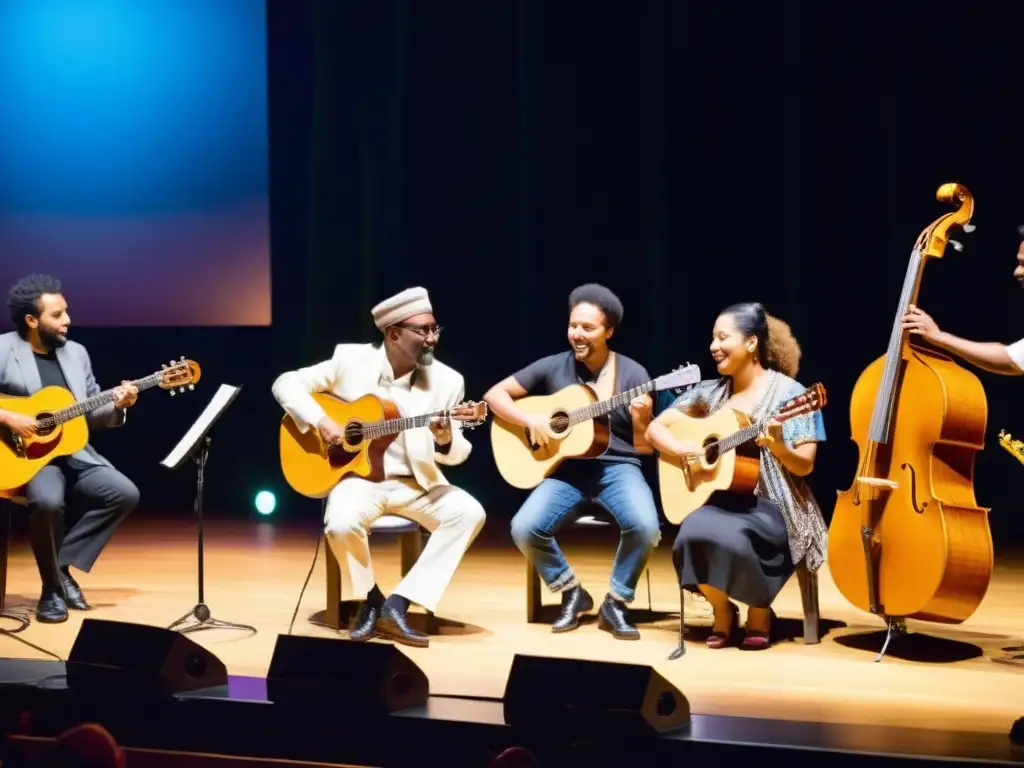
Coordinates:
(738,438)
(98,401)
(375,429)
(594,410)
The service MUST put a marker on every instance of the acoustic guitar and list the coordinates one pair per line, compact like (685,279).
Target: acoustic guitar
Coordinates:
(579,424)
(730,461)
(312,467)
(62,427)
(1014,447)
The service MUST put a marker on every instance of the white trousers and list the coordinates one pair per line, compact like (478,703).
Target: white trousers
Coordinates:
(452,516)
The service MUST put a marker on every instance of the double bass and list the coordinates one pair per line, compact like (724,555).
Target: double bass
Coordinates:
(907,538)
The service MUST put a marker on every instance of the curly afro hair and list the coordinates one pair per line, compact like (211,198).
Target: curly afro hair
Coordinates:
(23,298)
(783,350)
(600,297)
(776,346)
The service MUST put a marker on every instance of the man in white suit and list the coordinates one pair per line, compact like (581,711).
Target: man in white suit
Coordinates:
(403,370)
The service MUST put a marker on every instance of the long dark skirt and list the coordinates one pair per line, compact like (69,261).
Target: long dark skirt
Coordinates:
(737,544)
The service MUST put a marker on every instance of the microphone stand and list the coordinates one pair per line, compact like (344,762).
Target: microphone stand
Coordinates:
(200,614)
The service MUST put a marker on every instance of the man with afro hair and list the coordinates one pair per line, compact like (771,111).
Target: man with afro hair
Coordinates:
(36,355)
(613,480)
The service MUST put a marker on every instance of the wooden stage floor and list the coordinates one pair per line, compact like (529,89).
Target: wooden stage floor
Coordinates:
(254,572)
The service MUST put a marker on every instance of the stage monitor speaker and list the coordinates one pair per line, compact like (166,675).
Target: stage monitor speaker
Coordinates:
(572,696)
(111,656)
(362,680)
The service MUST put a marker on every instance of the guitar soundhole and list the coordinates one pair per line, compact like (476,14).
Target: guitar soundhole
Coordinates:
(559,423)
(43,431)
(353,433)
(711,451)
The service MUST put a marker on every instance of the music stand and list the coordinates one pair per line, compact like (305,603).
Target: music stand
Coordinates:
(196,445)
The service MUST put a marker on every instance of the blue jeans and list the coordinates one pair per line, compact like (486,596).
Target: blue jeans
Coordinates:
(619,488)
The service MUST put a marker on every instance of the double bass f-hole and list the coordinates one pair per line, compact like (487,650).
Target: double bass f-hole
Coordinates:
(913,489)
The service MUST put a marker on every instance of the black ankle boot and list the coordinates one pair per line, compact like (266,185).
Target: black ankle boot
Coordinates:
(575,601)
(614,617)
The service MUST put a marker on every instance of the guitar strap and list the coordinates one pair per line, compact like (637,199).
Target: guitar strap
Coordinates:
(604,385)
(763,410)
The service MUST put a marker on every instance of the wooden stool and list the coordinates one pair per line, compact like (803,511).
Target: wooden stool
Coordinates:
(5,554)
(410,542)
(533,583)
(808,596)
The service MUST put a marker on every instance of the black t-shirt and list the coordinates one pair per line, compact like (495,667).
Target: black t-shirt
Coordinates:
(554,372)
(50,373)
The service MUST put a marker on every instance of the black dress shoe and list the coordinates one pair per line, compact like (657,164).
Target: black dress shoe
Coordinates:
(51,608)
(575,601)
(392,625)
(72,592)
(363,627)
(613,617)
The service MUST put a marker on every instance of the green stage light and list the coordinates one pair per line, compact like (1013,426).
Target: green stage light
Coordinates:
(266,502)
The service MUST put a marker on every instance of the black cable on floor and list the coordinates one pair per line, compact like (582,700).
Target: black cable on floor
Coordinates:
(312,565)
(13,634)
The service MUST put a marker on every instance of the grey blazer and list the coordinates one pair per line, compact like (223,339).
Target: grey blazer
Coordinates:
(19,377)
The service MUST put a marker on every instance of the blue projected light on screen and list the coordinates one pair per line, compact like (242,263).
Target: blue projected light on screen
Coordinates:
(133,157)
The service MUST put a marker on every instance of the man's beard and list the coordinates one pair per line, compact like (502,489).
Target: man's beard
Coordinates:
(425,356)
(51,340)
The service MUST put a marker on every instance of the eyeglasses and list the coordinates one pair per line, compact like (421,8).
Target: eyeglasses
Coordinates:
(423,330)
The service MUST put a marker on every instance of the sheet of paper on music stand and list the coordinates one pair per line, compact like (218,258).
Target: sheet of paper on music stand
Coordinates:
(221,400)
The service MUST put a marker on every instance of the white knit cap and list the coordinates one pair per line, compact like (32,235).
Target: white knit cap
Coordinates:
(401,306)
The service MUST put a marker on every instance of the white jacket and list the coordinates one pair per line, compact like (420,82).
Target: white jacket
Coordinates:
(353,371)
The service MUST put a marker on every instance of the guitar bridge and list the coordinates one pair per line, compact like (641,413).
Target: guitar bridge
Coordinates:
(13,441)
(878,482)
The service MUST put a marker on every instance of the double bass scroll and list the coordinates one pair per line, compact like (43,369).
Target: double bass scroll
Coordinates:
(907,538)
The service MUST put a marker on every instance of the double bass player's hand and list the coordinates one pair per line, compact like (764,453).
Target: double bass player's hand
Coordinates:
(920,323)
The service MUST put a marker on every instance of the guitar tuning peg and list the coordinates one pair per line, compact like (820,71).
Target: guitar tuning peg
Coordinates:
(957,245)
(191,387)
(968,228)
(172,393)
(162,366)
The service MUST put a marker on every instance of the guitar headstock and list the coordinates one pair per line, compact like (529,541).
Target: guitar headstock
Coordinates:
(179,375)
(1014,447)
(682,376)
(810,400)
(470,415)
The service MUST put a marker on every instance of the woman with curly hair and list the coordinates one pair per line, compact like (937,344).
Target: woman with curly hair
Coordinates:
(746,547)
